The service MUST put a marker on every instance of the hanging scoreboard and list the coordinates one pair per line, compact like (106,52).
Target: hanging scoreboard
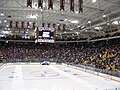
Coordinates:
(45,35)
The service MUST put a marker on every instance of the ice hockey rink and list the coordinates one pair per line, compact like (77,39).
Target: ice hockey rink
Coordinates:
(51,77)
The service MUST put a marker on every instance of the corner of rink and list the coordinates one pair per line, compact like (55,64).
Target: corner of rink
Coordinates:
(106,76)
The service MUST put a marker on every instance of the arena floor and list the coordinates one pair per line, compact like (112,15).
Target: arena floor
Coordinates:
(51,77)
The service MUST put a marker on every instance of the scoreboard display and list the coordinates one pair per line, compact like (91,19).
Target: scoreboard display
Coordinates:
(45,35)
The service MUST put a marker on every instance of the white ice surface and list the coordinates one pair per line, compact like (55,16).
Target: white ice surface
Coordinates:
(51,77)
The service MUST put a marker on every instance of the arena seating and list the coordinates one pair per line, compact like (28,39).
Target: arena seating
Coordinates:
(102,54)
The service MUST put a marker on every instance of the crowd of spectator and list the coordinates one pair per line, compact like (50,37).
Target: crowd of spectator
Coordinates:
(101,54)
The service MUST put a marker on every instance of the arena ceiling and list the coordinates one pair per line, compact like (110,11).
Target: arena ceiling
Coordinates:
(96,18)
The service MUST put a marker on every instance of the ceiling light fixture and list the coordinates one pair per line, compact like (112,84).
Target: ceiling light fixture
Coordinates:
(98,28)
(75,21)
(7,25)
(2,35)
(104,15)
(41,10)
(65,19)
(8,28)
(58,24)
(108,23)
(6,41)
(2,14)
(94,1)
(65,32)
(28,26)
(115,22)
(76,11)
(5,20)
(89,21)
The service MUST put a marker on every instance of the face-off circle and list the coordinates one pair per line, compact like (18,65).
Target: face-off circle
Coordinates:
(44,73)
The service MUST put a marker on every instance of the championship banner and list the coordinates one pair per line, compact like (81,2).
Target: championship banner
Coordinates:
(11,22)
(62,4)
(37,33)
(29,3)
(43,24)
(54,25)
(33,25)
(50,4)
(24,30)
(22,24)
(40,4)
(19,30)
(28,25)
(80,6)
(72,5)
(63,27)
(48,25)
(59,27)
(16,24)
